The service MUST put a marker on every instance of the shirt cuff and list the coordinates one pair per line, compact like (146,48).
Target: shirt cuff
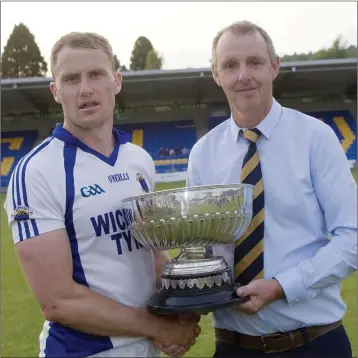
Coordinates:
(292,284)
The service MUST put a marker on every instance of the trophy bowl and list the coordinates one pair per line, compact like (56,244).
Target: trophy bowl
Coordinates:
(193,219)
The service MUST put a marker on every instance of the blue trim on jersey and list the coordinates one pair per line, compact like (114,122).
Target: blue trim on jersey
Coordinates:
(14,203)
(17,175)
(64,341)
(17,181)
(69,154)
(23,181)
(120,138)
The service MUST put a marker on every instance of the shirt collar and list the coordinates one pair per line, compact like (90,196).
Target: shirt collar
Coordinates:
(266,126)
(120,138)
(64,135)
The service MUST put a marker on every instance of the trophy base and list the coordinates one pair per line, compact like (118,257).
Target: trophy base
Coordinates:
(163,303)
(197,282)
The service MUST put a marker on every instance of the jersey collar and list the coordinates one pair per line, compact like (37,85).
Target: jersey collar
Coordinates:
(120,138)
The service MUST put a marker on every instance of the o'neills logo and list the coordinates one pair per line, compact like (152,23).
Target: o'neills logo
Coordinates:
(115,178)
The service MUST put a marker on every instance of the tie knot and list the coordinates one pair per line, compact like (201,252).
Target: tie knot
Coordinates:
(252,135)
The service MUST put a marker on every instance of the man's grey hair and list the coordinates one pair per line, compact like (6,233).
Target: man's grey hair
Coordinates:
(243,28)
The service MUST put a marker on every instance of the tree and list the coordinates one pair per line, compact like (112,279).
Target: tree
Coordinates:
(141,48)
(352,51)
(117,65)
(297,57)
(153,60)
(338,49)
(22,56)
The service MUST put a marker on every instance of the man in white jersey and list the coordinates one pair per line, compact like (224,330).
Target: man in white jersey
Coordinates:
(91,278)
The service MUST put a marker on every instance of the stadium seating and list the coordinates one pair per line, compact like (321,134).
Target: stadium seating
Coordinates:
(345,127)
(342,122)
(155,137)
(161,136)
(14,145)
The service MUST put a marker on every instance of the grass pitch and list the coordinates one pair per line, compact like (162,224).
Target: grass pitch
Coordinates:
(21,320)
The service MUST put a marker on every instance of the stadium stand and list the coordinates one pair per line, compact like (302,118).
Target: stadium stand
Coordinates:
(162,98)
(168,143)
(342,123)
(345,127)
(14,145)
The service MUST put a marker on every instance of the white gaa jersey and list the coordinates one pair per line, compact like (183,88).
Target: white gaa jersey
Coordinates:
(62,183)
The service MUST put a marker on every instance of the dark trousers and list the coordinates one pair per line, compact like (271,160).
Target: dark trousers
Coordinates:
(334,344)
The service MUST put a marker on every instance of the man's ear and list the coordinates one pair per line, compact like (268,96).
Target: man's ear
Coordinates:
(53,90)
(118,82)
(214,72)
(276,68)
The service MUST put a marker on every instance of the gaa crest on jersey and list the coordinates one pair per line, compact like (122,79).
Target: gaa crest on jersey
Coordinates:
(22,213)
(142,182)
(91,190)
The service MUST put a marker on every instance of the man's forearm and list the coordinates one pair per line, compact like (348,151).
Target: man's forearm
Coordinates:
(330,265)
(93,313)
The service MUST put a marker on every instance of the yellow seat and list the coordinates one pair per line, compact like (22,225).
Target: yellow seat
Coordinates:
(137,137)
(15,143)
(6,165)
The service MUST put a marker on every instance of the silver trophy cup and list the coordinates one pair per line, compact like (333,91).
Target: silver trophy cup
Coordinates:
(192,220)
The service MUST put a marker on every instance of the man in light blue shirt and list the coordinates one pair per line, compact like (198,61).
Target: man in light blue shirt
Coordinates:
(309,221)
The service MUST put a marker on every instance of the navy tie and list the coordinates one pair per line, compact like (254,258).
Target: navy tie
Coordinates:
(249,253)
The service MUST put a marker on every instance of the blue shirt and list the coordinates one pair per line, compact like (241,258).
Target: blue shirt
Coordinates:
(310,239)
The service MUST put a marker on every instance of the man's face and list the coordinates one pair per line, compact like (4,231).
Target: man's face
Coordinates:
(244,70)
(85,86)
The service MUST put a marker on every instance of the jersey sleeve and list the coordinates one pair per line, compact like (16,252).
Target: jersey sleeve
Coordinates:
(151,173)
(31,206)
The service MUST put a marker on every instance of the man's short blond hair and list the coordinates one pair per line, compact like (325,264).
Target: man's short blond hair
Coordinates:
(244,28)
(85,40)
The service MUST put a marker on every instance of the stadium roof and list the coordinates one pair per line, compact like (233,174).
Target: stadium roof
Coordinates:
(296,79)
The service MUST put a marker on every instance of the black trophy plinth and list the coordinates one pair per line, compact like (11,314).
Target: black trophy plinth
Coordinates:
(199,293)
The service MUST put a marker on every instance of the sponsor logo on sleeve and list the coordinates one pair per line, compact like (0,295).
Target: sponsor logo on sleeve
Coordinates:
(22,213)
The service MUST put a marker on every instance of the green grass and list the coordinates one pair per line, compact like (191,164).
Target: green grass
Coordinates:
(165,186)
(21,321)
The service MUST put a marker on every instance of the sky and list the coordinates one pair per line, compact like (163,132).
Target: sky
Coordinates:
(183,32)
